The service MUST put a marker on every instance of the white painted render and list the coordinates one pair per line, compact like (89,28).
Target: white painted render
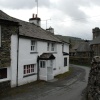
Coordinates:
(36,22)
(27,57)
(14,41)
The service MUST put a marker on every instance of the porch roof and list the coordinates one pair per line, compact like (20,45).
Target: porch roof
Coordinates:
(47,56)
(65,53)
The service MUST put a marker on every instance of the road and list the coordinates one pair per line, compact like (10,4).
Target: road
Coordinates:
(72,91)
(69,88)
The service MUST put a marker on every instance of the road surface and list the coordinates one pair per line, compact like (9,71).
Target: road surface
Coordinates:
(72,91)
(69,88)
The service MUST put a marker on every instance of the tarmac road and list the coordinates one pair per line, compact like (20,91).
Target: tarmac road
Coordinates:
(69,88)
(72,91)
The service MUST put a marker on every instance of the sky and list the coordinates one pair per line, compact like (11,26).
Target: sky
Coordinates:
(74,18)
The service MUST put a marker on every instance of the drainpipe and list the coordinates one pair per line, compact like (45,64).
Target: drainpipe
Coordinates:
(17,57)
(38,68)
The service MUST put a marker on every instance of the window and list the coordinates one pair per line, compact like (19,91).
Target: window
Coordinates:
(65,61)
(52,46)
(42,64)
(48,44)
(28,69)
(3,73)
(33,45)
(0,36)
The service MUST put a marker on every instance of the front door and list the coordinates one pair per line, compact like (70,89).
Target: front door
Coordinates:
(42,70)
(50,70)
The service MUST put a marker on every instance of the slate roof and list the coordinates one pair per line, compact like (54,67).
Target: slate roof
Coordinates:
(95,41)
(84,47)
(72,50)
(46,56)
(75,47)
(30,30)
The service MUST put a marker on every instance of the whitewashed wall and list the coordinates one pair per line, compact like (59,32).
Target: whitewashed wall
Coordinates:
(26,58)
(14,41)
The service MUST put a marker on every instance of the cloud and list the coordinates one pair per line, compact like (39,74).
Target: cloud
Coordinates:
(68,17)
(22,4)
(72,8)
(95,2)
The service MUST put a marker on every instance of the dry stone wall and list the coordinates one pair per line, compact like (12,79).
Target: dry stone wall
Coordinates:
(93,87)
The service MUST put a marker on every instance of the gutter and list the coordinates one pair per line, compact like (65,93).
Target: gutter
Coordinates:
(38,68)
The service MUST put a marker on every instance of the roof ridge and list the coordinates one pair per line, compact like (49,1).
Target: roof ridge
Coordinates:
(30,30)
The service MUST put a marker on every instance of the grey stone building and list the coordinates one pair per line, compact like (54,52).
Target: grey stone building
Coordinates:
(95,43)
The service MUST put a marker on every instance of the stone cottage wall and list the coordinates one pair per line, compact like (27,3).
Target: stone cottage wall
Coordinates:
(93,87)
(6,32)
(5,59)
(4,86)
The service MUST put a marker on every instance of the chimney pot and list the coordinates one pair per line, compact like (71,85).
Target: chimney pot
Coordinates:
(33,15)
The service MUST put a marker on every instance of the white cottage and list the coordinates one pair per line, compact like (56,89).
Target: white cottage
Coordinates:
(35,53)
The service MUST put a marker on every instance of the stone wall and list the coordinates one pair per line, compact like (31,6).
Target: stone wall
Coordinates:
(96,32)
(4,86)
(6,32)
(93,87)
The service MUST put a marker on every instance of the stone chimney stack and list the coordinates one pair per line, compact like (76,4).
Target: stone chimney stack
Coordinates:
(50,29)
(96,32)
(35,20)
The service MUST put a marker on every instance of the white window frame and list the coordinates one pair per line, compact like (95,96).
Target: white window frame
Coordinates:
(52,46)
(0,36)
(33,45)
(43,63)
(28,69)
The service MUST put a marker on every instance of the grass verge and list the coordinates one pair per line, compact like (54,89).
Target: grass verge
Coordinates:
(60,76)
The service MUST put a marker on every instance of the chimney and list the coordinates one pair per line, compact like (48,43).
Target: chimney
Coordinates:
(33,16)
(96,32)
(36,15)
(35,20)
(50,29)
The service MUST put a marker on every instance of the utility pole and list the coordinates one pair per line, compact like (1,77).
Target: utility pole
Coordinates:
(37,6)
(46,22)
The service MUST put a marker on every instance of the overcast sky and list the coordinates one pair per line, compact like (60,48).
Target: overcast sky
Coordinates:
(74,18)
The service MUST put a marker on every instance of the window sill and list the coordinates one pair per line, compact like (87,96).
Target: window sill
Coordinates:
(29,75)
(33,52)
(54,52)
(4,80)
